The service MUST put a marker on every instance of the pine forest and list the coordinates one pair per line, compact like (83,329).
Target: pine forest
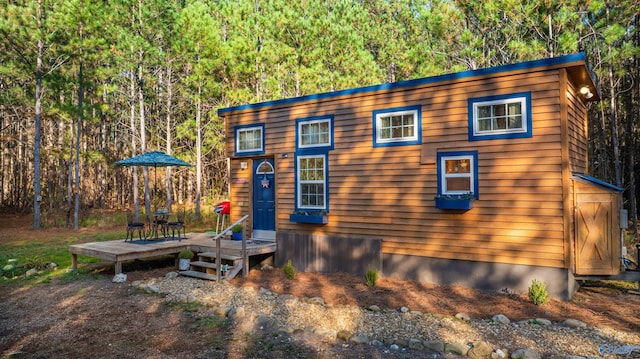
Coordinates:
(85,83)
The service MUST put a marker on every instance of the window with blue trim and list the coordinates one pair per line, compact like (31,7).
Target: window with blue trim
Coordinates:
(249,139)
(314,133)
(501,116)
(311,182)
(458,173)
(397,126)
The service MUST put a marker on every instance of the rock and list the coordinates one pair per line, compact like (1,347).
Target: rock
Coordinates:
(402,342)
(52,266)
(404,309)
(501,318)
(265,291)
(525,354)
(119,278)
(266,267)
(376,343)
(285,329)
(574,323)
(136,284)
(374,308)
(463,316)
(286,297)
(456,348)
(498,354)
(388,341)
(31,272)
(222,312)
(238,312)
(360,338)
(480,350)
(151,289)
(436,345)
(542,321)
(265,323)
(344,335)
(415,344)
(325,333)
(171,275)
(394,347)
(316,300)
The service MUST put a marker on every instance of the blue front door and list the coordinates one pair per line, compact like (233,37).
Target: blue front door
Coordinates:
(264,200)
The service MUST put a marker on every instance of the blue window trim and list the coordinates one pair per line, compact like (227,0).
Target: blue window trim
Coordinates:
(237,129)
(473,154)
(526,120)
(398,142)
(314,148)
(326,183)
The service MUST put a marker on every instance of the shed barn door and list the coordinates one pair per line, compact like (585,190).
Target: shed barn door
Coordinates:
(594,235)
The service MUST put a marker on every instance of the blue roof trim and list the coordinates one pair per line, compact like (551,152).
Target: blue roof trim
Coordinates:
(592,180)
(581,56)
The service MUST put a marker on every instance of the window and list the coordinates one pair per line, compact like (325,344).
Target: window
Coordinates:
(458,173)
(314,133)
(311,184)
(504,116)
(249,139)
(397,127)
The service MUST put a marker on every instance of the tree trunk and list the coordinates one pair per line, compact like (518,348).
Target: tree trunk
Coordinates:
(132,116)
(36,137)
(169,98)
(76,187)
(198,152)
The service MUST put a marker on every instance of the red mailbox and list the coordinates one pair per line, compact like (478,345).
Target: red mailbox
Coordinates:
(223,207)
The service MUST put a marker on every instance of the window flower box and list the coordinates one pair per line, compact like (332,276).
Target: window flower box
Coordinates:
(313,218)
(455,202)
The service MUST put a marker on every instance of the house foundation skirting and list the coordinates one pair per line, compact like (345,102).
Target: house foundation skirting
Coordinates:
(480,275)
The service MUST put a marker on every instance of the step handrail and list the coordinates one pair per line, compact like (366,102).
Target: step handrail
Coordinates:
(245,260)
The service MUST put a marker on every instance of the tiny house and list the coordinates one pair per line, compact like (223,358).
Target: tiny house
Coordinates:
(478,178)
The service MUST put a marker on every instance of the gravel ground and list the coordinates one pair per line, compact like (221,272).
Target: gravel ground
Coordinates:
(252,307)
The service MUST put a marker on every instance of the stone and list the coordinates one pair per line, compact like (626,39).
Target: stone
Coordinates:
(542,321)
(119,278)
(415,344)
(404,309)
(376,343)
(388,341)
(222,312)
(265,323)
(480,350)
(329,334)
(360,338)
(285,329)
(374,308)
(286,297)
(436,345)
(394,347)
(525,354)
(316,300)
(456,348)
(52,266)
(463,316)
(238,312)
(574,323)
(171,275)
(264,291)
(31,272)
(136,283)
(498,354)
(344,335)
(151,289)
(402,342)
(501,318)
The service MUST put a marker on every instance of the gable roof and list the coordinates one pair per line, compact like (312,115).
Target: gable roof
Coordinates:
(579,60)
(597,182)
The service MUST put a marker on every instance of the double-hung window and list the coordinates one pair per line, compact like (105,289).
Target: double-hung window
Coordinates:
(311,190)
(249,140)
(458,173)
(314,133)
(502,116)
(397,126)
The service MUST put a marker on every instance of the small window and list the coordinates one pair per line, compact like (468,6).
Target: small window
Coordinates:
(458,173)
(505,116)
(397,127)
(314,133)
(264,168)
(311,186)
(249,139)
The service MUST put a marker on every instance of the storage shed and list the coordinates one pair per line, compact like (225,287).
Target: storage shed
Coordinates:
(475,178)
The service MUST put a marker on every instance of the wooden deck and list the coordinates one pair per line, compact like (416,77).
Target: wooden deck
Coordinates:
(120,251)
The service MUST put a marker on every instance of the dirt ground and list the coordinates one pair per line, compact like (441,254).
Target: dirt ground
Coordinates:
(98,318)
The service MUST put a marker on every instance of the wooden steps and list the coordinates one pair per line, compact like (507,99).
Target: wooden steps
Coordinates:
(206,265)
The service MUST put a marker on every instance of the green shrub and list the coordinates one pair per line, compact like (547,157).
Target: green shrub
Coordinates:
(289,270)
(237,228)
(371,277)
(538,294)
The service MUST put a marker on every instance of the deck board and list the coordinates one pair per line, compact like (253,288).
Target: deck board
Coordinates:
(119,251)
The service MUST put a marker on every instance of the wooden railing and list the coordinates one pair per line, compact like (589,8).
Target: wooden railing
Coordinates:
(245,257)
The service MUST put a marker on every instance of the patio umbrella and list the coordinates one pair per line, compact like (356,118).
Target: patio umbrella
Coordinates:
(153,159)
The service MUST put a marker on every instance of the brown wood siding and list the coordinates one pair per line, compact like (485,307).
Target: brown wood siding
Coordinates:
(388,191)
